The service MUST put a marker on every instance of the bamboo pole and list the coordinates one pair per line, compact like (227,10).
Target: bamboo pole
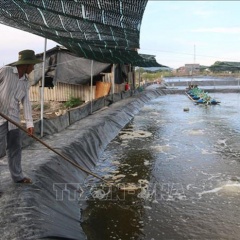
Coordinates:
(52,149)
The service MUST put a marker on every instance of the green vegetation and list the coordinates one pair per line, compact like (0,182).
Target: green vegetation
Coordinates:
(73,102)
(152,76)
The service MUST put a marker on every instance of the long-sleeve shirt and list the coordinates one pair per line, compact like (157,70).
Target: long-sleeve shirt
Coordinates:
(14,91)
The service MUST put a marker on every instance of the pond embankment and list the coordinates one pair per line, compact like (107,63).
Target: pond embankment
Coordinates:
(49,207)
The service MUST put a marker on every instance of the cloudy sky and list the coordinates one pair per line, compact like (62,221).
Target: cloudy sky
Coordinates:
(171,30)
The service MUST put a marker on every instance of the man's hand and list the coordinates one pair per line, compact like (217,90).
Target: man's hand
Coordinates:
(30,131)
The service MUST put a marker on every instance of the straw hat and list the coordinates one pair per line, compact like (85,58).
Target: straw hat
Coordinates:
(26,57)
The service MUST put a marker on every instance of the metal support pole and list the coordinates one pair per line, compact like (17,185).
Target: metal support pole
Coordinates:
(133,77)
(113,81)
(131,83)
(91,92)
(43,83)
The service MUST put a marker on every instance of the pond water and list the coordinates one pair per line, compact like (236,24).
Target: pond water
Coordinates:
(176,174)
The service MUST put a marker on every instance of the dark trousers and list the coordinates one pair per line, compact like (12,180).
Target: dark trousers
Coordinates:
(13,150)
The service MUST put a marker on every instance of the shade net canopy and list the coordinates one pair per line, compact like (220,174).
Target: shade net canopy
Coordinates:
(102,30)
(225,66)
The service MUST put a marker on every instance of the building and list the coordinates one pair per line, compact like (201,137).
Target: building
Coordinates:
(189,69)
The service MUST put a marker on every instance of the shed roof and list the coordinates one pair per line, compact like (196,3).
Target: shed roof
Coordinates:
(225,66)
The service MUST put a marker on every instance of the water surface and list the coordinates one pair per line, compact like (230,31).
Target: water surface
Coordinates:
(183,170)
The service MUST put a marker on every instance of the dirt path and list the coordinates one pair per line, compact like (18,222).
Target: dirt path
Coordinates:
(51,110)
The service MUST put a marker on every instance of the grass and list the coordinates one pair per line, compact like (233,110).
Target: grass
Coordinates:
(73,102)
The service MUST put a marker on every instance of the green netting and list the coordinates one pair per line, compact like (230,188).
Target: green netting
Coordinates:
(103,30)
(225,66)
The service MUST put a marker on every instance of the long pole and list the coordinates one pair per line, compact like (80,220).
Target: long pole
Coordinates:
(113,80)
(43,83)
(52,149)
(193,65)
(194,54)
(139,78)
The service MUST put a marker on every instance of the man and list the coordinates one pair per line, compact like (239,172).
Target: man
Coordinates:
(14,89)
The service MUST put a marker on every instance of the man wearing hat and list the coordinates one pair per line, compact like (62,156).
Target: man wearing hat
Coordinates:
(14,89)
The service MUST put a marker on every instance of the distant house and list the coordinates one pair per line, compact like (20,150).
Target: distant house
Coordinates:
(192,68)
(181,71)
(189,69)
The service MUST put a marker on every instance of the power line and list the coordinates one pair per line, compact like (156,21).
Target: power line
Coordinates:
(189,54)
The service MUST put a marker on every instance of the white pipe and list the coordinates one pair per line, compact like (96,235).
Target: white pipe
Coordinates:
(43,83)
(113,81)
(91,97)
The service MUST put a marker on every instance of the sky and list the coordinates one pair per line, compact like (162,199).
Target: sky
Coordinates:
(176,32)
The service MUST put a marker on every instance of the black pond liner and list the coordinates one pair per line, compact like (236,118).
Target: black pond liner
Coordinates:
(49,208)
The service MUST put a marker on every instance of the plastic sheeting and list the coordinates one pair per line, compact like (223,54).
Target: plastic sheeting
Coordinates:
(102,89)
(76,70)
(64,66)
(49,208)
